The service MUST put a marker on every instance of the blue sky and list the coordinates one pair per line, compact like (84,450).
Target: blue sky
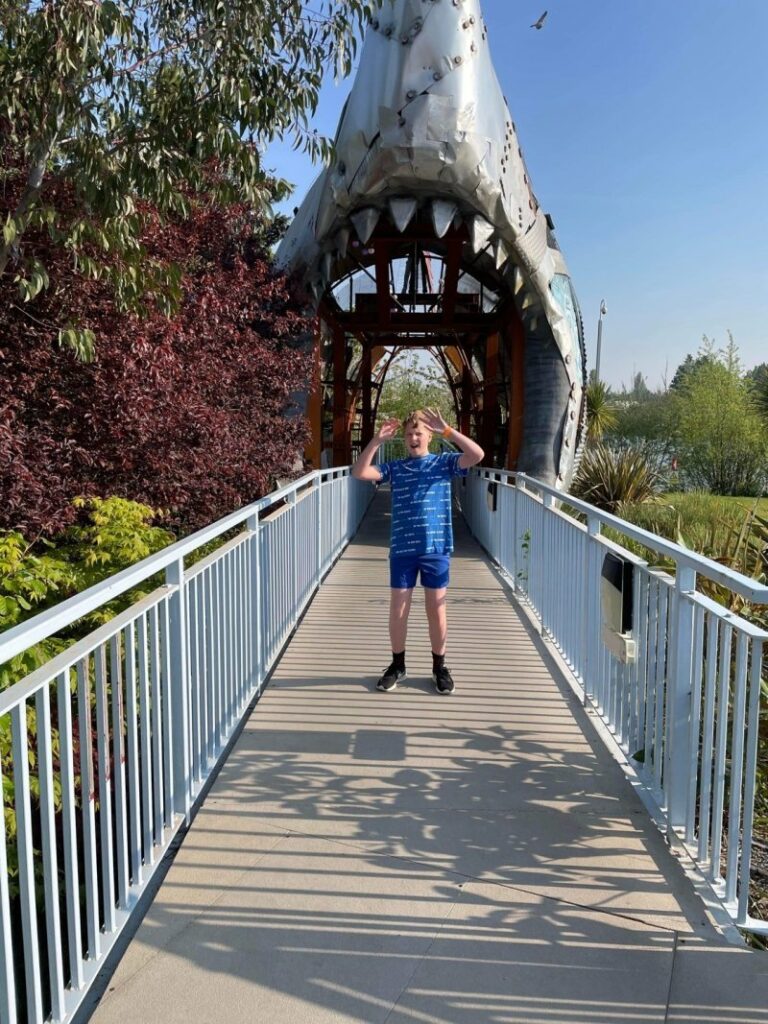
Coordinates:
(645,129)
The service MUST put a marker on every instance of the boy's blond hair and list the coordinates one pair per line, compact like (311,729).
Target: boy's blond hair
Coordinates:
(414,419)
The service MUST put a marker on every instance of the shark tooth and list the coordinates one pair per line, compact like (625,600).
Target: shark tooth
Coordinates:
(402,211)
(480,233)
(517,279)
(365,222)
(443,213)
(342,242)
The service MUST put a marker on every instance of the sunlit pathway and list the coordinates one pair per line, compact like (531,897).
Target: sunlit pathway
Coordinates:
(408,857)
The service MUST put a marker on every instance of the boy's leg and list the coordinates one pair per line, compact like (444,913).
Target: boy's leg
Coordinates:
(399,608)
(435,575)
(434,602)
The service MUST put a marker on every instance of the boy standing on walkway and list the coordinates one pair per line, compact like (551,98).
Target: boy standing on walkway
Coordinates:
(422,532)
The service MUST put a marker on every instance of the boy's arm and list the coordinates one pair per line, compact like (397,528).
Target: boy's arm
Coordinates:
(363,468)
(471,452)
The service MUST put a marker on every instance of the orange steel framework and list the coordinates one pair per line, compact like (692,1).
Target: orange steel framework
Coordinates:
(481,352)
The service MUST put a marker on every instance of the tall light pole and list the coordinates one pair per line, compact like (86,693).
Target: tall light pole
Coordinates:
(603,311)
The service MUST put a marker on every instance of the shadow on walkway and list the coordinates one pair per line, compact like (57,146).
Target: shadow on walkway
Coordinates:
(411,857)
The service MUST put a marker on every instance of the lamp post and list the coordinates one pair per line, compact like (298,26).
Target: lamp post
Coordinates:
(603,311)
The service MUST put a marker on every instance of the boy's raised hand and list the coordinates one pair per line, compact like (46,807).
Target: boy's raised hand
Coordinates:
(388,429)
(433,421)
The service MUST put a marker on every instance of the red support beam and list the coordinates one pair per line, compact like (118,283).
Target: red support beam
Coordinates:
(313,450)
(516,390)
(365,373)
(490,394)
(341,442)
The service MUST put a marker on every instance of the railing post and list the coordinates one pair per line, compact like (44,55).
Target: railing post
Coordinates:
(179,710)
(514,493)
(678,728)
(254,543)
(590,606)
(293,512)
(543,577)
(320,560)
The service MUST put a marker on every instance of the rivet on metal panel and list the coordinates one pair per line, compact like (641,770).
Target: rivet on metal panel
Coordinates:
(473,47)
(437,76)
(405,39)
(389,30)
(411,94)
(457,60)
(567,357)
(471,19)
(375,24)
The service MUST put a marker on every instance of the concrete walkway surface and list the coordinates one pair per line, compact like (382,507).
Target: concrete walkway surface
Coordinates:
(410,857)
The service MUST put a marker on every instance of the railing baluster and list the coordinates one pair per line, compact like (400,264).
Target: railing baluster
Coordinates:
(7,967)
(750,782)
(71,871)
(25,852)
(145,744)
(50,857)
(118,771)
(174,577)
(105,791)
(88,810)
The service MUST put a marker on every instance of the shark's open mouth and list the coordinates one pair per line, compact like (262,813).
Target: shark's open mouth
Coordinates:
(425,232)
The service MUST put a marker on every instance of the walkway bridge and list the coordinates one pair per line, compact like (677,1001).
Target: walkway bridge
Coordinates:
(185,843)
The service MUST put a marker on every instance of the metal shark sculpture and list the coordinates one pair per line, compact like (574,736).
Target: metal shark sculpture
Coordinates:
(426,133)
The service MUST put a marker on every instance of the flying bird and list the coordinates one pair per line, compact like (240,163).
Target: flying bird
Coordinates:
(540,23)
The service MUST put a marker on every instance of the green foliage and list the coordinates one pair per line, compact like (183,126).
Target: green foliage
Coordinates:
(610,478)
(32,577)
(114,534)
(644,422)
(134,101)
(722,439)
(601,412)
(758,383)
(413,384)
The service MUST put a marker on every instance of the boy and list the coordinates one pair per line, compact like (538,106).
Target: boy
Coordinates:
(422,533)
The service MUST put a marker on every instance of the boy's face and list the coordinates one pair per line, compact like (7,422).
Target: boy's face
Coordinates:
(417,439)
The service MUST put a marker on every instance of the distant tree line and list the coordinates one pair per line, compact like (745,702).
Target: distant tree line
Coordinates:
(707,430)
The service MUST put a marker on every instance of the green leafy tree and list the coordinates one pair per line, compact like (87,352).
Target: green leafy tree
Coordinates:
(758,382)
(413,384)
(723,439)
(127,101)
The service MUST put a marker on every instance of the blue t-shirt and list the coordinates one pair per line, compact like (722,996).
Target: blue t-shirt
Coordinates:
(421,502)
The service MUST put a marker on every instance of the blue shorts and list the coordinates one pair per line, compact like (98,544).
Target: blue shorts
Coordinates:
(434,570)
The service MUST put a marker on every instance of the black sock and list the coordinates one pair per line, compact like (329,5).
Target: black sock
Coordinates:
(438,660)
(399,661)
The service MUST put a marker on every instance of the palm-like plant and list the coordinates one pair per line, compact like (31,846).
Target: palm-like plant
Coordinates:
(601,412)
(610,478)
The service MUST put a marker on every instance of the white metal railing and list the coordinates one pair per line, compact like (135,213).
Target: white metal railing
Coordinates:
(686,709)
(113,740)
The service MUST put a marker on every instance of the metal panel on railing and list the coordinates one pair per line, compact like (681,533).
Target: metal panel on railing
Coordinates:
(680,690)
(112,740)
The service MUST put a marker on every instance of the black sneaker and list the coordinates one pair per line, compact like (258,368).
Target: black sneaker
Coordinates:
(391,678)
(443,680)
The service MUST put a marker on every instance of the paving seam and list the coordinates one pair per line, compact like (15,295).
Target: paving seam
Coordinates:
(671,980)
(483,881)
(420,960)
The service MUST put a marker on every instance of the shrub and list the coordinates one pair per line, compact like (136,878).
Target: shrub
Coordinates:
(195,414)
(609,478)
